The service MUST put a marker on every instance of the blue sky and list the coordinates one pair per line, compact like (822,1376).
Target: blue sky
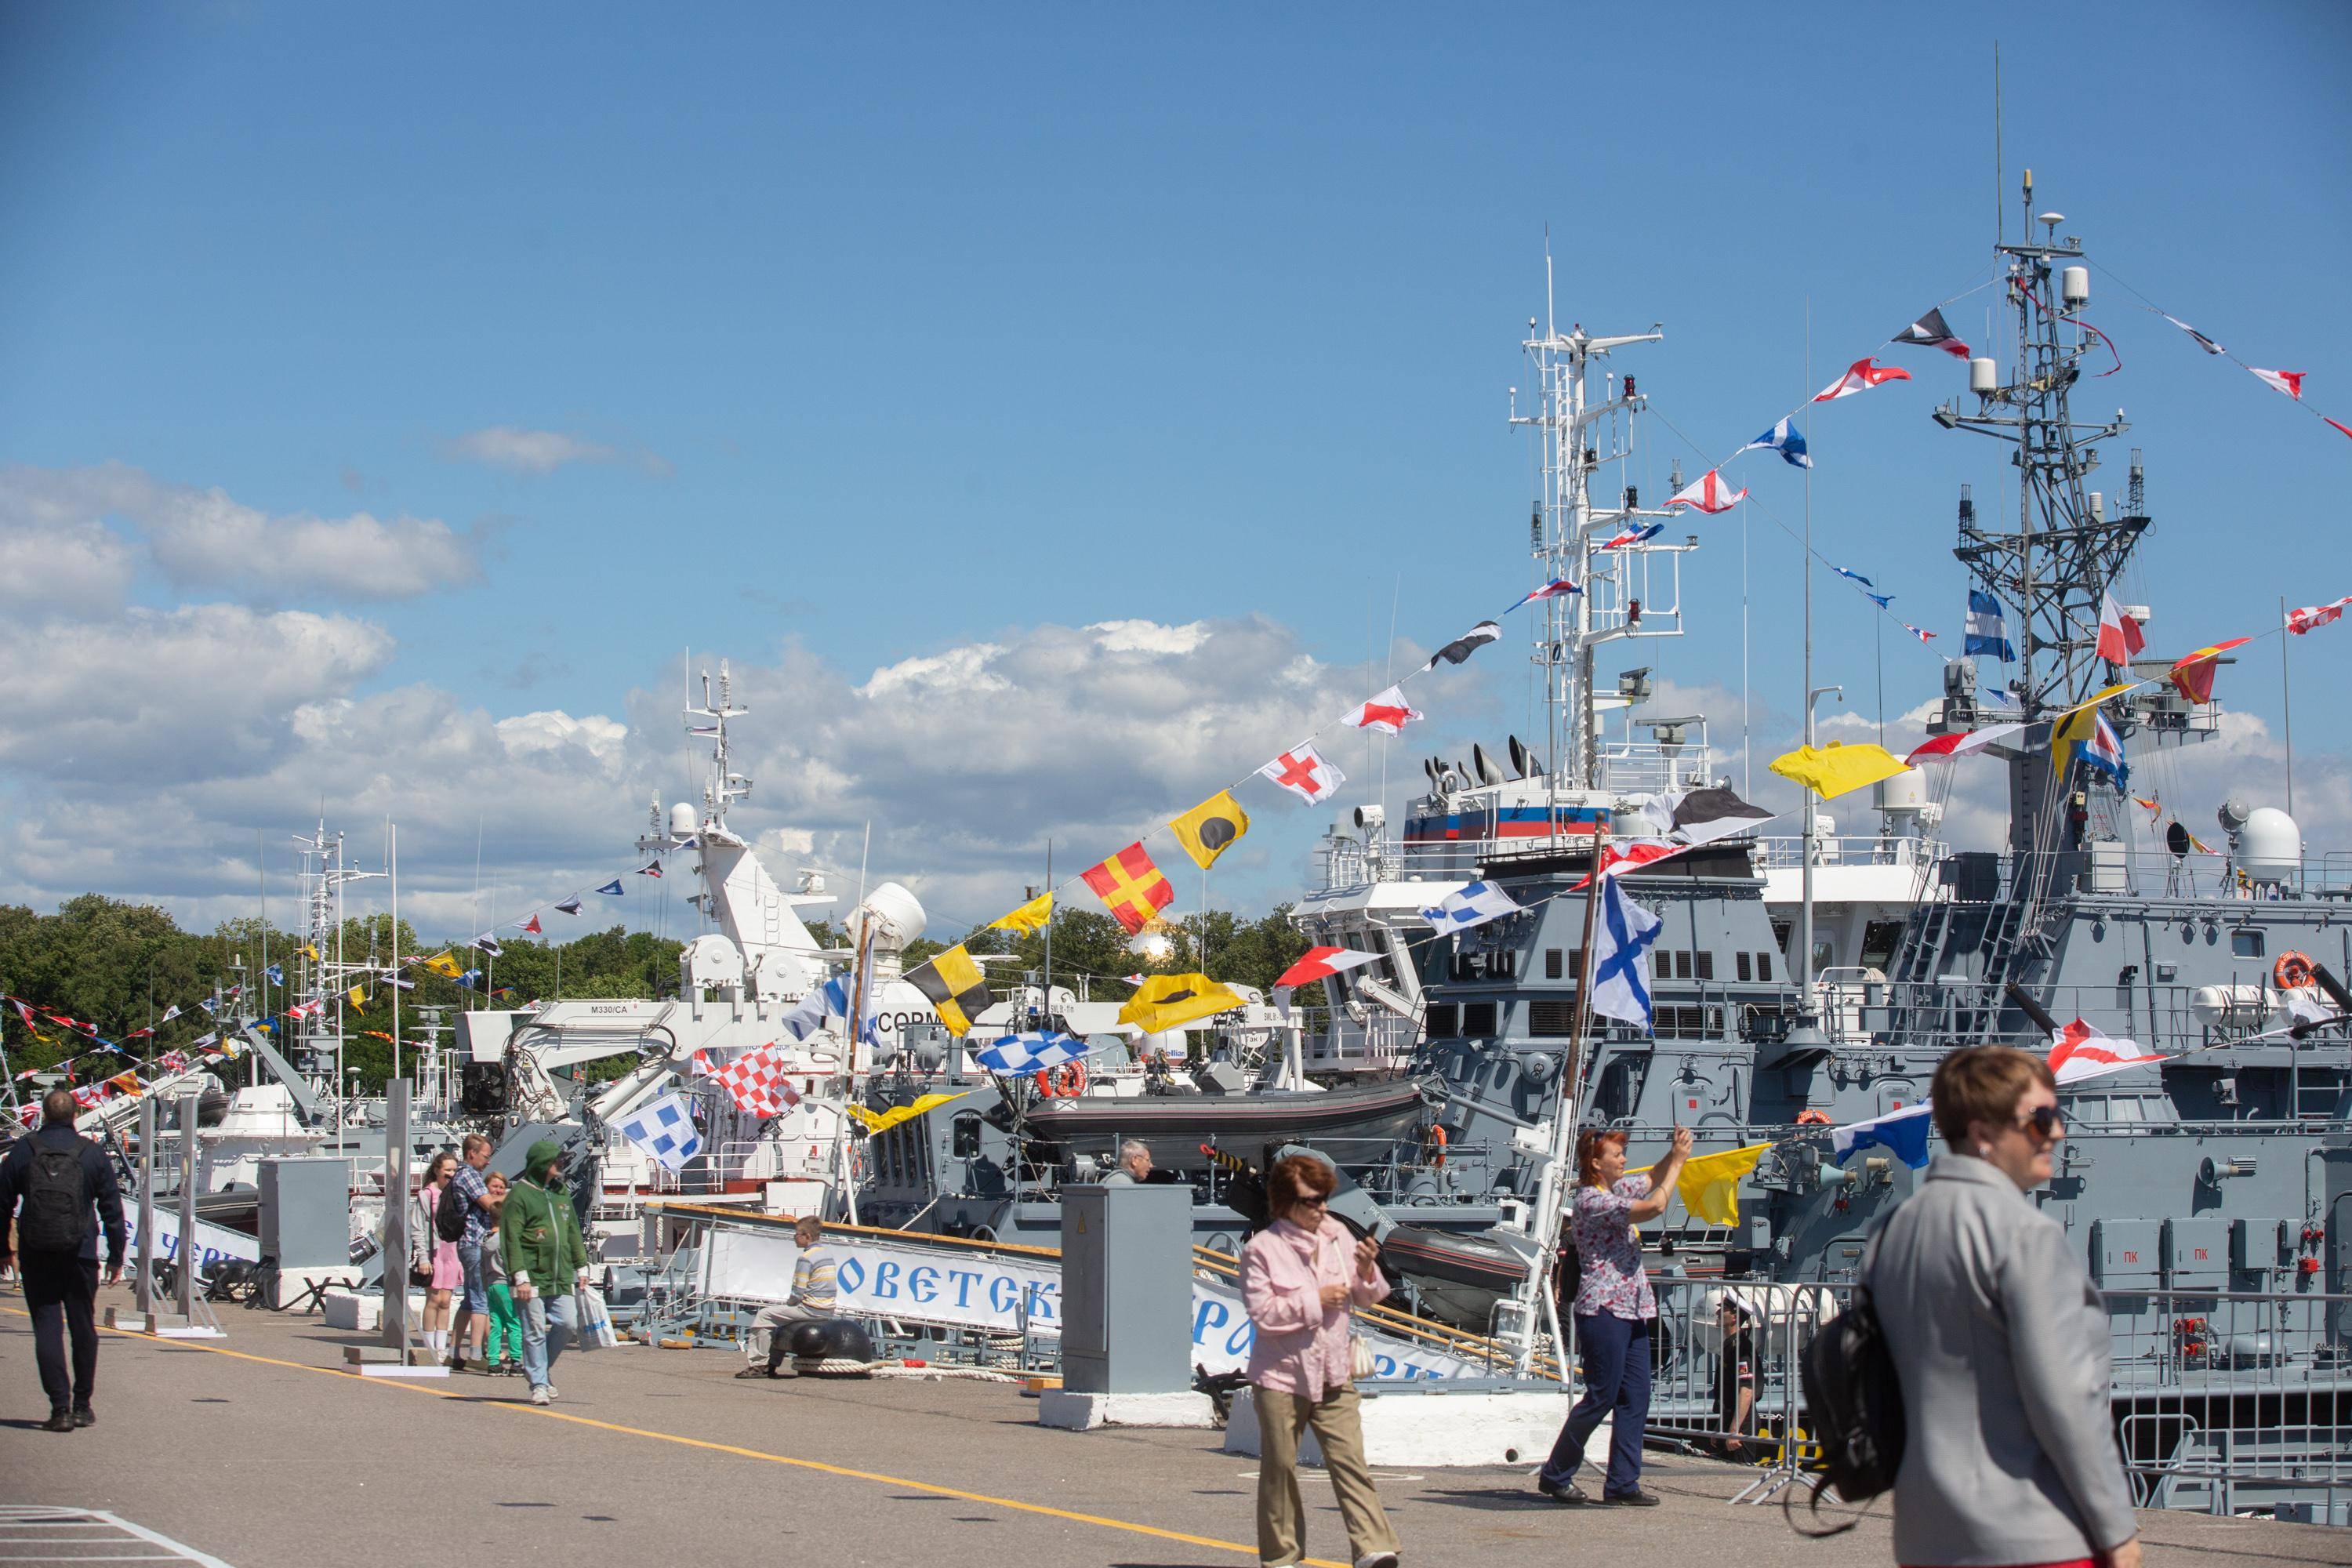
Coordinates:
(861,338)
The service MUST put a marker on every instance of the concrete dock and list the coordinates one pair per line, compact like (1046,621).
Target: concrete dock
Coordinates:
(261,1450)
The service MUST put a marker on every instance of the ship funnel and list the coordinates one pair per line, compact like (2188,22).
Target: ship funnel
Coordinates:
(1484,766)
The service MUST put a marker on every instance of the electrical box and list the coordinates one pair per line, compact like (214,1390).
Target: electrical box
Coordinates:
(2125,1254)
(305,1211)
(2197,1253)
(2258,1246)
(1127,1289)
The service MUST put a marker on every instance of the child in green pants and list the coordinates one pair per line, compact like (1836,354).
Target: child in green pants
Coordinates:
(506,1321)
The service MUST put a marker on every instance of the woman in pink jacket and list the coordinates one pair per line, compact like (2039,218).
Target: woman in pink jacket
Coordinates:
(1299,1277)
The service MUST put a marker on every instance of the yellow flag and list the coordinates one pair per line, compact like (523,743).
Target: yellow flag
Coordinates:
(883,1121)
(1837,768)
(1211,828)
(1165,1001)
(2117,689)
(309,953)
(1709,1183)
(952,983)
(442,963)
(357,996)
(1031,916)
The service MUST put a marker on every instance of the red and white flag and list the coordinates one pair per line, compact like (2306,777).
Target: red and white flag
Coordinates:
(1387,713)
(2288,380)
(1861,377)
(1632,855)
(1304,771)
(1322,963)
(1132,979)
(2080,1051)
(2120,639)
(2303,620)
(1967,744)
(756,1081)
(532,925)
(1708,493)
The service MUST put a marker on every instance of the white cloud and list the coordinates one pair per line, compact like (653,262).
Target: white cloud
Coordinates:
(520,451)
(62,567)
(203,538)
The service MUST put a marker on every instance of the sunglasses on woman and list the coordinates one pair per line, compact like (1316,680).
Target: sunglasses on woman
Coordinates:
(2047,1121)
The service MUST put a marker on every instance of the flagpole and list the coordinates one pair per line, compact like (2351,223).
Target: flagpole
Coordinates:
(2286,694)
(1559,1174)
(391,855)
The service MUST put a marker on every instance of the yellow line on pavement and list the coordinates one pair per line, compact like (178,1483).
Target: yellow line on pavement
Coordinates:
(1104,1520)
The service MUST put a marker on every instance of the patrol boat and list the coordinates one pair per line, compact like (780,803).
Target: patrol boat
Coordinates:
(2223,1167)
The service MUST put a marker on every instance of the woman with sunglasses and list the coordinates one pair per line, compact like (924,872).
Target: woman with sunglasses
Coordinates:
(1300,1275)
(2000,1342)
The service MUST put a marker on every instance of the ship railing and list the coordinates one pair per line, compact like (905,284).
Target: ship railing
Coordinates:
(1781,852)
(2224,1402)
(2161,1016)
(1381,1040)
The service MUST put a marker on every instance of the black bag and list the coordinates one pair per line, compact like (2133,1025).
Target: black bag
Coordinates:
(54,1215)
(1854,1406)
(449,1213)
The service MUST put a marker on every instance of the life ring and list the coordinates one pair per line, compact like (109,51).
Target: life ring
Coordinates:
(1066,1082)
(1433,1141)
(2293,972)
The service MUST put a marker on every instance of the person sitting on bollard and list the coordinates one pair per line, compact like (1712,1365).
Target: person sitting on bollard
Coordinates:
(1299,1277)
(814,1288)
(1613,1311)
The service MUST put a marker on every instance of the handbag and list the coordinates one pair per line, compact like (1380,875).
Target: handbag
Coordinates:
(1361,1363)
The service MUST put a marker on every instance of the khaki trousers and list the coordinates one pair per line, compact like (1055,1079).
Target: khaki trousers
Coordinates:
(1338,1420)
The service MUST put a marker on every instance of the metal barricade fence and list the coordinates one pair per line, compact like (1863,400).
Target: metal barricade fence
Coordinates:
(2224,1402)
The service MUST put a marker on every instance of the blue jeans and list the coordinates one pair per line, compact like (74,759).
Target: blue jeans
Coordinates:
(541,1343)
(477,1295)
(1617,1383)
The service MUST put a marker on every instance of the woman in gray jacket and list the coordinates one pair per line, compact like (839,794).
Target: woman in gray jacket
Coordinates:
(2000,1342)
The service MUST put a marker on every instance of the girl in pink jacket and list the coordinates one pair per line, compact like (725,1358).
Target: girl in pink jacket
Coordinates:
(1300,1276)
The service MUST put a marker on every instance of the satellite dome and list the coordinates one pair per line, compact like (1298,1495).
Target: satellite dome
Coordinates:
(2270,846)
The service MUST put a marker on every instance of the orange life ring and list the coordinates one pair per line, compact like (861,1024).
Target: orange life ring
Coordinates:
(1067,1082)
(1434,1142)
(2293,972)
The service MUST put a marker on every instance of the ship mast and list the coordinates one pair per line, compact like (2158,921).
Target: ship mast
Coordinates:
(1567,527)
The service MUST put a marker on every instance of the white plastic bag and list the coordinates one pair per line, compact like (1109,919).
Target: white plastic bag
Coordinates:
(596,1331)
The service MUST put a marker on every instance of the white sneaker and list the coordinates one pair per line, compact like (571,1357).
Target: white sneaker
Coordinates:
(553,1392)
(1377,1560)
(543,1395)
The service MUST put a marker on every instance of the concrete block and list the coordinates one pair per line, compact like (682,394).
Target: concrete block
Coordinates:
(1085,1412)
(1428,1427)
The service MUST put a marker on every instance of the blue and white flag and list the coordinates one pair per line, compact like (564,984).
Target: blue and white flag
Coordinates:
(1474,905)
(276,975)
(1902,1133)
(610,889)
(1786,439)
(665,1131)
(809,1016)
(1988,628)
(1621,936)
(2104,751)
(1032,1052)
(1857,577)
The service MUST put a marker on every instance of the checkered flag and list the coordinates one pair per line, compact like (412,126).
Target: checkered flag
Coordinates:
(663,1129)
(756,1080)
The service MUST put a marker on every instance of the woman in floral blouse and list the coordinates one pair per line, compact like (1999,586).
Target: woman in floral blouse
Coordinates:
(1615,1308)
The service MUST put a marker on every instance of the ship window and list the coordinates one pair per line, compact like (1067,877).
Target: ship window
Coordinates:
(1551,963)
(1550,1020)
(1763,966)
(1443,1019)
(1744,966)
(1878,940)
(1662,964)
(1706,963)
(1503,964)
(967,1136)
(1477,1019)
(1781,930)
(1621,1087)
(1683,964)
(2247,943)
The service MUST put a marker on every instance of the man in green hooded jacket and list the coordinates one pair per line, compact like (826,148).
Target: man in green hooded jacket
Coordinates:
(539,1236)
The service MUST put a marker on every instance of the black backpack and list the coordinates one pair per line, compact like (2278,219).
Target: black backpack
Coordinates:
(1854,1406)
(54,1215)
(449,1215)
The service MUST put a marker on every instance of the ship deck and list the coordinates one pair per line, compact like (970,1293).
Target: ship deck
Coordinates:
(260,1450)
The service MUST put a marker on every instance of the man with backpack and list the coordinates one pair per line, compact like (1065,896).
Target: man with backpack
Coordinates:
(465,1216)
(50,1182)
